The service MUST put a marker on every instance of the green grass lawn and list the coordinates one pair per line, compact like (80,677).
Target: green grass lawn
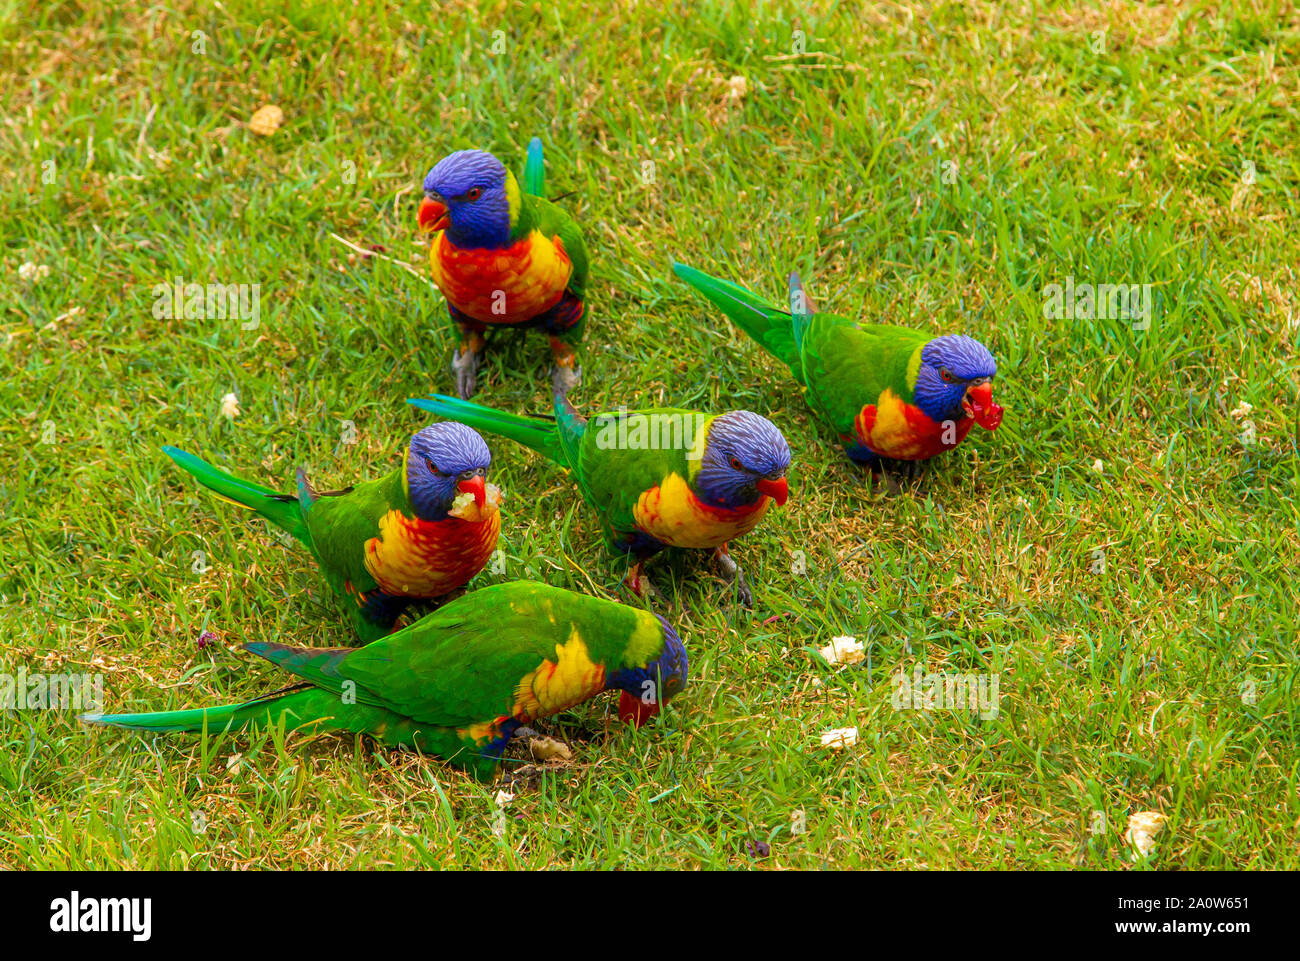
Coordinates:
(1121,554)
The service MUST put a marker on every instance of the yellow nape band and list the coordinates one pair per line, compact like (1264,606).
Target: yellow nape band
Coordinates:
(513,199)
(647,640)
(914,366)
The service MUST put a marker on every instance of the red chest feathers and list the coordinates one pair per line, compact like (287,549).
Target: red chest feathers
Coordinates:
(510,285)
(416,558)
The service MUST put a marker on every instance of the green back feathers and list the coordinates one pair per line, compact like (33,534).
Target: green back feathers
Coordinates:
(342,523)
(554,221)
(848,366)
(625,453)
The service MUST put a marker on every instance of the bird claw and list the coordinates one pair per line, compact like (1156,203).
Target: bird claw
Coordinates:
(465,364)
(898,474)
(735,577)
(638,584)
(564,379)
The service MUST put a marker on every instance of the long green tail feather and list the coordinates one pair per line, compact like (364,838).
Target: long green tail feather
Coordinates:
(772,328)
(282,510)
(801,312)
(534,169)
(299,706)
(537,433)
(310,707)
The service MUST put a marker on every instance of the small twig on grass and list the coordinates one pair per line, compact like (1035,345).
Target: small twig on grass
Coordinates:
(392,260)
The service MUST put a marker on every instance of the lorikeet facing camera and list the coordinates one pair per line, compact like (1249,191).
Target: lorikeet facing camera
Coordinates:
(417,534)
(658,478)
(459,681)
(894,396)
(503,257)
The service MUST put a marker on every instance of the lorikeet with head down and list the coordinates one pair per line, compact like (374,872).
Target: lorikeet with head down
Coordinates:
(658,478)
(459,681)
(503,257)
(894,396)
(417,534)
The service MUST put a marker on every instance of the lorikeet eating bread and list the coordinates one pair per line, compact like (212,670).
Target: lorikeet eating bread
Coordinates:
(458,682)
(894,396)
(418,533)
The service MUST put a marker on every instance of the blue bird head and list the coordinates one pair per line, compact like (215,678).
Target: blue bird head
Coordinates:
(744,458)
(647,689)
(444,460)
(471,196)
(955,380)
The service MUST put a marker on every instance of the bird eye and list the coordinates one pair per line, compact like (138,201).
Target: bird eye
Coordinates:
(736,465)
(433,468)
(473,193)
(946,374)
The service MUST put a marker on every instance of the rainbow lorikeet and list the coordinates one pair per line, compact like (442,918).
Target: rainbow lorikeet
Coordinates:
(658,478)
(459,681)
(895,397)
(503,257)
(417,534)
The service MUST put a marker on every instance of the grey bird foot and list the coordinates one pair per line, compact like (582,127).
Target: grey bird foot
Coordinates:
(564,379)
(735,577)
(898,474)
(465,367)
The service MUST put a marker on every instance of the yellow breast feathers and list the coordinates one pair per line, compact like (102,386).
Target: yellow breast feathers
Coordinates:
(506,286)
(416,558)
(671,513)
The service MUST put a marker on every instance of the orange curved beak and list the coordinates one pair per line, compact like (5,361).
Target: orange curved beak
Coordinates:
(476,486)
(777,489)
(979,404)
(432,216)
(635,711)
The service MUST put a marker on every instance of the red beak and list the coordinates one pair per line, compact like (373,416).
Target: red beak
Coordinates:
(632,709)
(979,404)
(777,489)
(432,216)
(476,486)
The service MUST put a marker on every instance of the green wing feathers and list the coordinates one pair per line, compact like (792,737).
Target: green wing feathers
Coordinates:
(555,221)
(282,510)
(570,426)
(551,220)
(774,329)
